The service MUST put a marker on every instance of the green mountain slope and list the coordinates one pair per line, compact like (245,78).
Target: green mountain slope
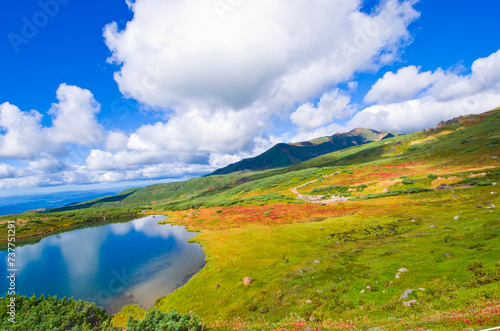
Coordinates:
(282,155)
(459,140)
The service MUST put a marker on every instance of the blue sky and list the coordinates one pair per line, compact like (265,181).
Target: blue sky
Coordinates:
(110,92)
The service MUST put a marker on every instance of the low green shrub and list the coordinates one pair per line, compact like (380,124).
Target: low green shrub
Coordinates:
(51,313)
(408,181)
(155,320)
(412,190)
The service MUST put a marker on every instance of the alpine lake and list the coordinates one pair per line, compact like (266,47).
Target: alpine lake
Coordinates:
(113,265)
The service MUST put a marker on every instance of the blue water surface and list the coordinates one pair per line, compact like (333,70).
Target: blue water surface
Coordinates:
(112,265)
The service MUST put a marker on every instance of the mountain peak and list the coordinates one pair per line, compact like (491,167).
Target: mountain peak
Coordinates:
(282,155)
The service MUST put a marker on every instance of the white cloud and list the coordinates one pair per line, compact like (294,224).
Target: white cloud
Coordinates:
(485,76)
(446,96)
(190,137)
(23,135)
(352,85)
(116,141)
(323,131)
(219,160)
(425,112)
(73,122)
(74,117)
(47,164)
(180,54)
(332,105)
(7,171)
(402,85)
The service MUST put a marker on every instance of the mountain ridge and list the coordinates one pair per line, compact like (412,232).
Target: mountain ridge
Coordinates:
(287,154)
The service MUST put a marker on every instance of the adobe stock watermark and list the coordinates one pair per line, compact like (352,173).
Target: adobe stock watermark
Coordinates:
(223,7)
(31,26)
(371,29)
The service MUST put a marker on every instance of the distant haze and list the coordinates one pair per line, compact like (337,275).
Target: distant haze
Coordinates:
(20,204)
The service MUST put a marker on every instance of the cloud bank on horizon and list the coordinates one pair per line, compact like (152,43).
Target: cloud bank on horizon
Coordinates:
(230,79)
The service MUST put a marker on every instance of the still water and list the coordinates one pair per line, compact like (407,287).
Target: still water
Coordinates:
(112,265)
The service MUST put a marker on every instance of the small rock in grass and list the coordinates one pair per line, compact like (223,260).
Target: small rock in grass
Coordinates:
(443,187)
(446,254)
(409,303)
(308,302)
(217,286)
(403,270)
(479,206)
(405,294)
(247,281)
(456,218)
(432,226)
(316,261)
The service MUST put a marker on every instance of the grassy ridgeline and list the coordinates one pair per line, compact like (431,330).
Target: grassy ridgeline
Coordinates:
(31,227)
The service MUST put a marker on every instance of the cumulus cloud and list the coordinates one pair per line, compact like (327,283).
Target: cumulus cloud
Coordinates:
(441,95)
(332,105)
(7,171)
(23,135)
(44,148)
(116,141)
(180,54)
(189,137)
(74,117)
(402,85)
(47,164)
(73,122)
